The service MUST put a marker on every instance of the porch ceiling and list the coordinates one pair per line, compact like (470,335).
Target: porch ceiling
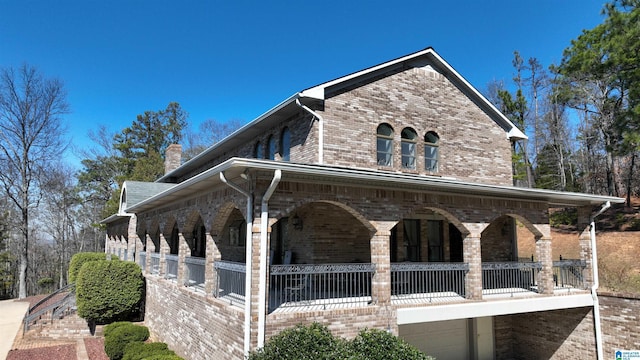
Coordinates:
(235,167)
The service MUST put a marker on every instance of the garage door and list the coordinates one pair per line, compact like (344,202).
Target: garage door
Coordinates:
(445,340)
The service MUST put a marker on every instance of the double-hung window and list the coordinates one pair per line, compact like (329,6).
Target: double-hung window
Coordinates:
(409,142)
(384,145)
(431,151)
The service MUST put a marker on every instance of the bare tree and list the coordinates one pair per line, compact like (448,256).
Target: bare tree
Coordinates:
(31,136)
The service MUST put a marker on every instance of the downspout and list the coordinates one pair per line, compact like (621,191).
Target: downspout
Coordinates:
(248,253)
(320,130)
(262,291)
(596,282)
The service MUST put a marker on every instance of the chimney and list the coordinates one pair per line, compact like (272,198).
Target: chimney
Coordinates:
(172,158)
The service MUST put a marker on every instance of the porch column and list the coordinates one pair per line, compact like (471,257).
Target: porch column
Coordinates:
(381,257)
(473,257)
(183,248)
(253,266)
(586,252)
(212,255)
(132,239)
(164,250)
(151,248)
(545,277)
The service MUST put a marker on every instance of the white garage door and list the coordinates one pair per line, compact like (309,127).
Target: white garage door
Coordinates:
(445,340)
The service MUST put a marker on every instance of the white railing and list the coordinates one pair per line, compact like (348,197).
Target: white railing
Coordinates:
(155,263)
(509,277)
(171,262)
(195,268)
(439,282)
(322,285)
(142,259)
(230,281)
(568,274)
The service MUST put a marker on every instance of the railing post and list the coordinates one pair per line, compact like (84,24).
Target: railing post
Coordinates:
(473,257)
(545,276)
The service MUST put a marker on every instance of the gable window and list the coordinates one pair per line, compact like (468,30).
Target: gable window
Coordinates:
(409,140)
(385,145)
(257,151)
(285,144)
(431,140)
(271,148)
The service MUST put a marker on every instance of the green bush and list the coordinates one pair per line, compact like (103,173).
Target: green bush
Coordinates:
(108,291)
(114,325)
(374,344)
(141,351)
(164,357)
(122,335)
(301,342)
(316,342)
(79,259)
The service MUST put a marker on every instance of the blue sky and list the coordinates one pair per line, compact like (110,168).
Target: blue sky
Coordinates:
(236,59)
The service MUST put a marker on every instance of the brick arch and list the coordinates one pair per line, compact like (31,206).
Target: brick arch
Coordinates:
(452,219)
(357,215)
(528,224)
(191,221)
(221,217)
(170,222)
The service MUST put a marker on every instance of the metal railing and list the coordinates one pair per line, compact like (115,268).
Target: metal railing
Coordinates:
(568,274)
(439,282)
(155,263)
(125,255)
(142,259)
(171,262)
(57,304)
(321,285)
(195,269)
(509,277)
(230,281)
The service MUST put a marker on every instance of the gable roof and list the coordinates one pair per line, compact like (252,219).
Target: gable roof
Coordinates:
(321,92)
(134,192)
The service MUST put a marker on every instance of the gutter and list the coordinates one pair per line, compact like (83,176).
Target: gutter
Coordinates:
(248,253)
(264,223)
(596,281)
(320,130)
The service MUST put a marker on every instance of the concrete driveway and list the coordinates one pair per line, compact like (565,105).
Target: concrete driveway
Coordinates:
(11,315)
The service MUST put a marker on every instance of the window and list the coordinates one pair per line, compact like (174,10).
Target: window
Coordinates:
(271,148)
(409,139)
(285,144)
(257,152)
(385,145)
(431,151)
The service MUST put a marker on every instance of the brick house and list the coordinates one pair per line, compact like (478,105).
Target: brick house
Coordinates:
(381,199)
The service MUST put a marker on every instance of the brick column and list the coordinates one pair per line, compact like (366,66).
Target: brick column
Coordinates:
(380,256)
(150,248)
(586,252)
(164,250)
(253,265)
(545,277)
(473,257)
(132,239)
(183,252)
(212,255)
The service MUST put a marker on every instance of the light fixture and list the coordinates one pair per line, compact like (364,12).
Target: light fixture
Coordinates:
(296,222)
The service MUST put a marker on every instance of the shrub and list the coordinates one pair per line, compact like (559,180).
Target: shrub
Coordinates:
(122,335)
(374,344)
(109,328)
(109,291)
(139,350)
(316,342)
(79,259)
(301,342)
(164,357)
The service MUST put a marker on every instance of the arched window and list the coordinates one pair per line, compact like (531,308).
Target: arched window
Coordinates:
(384,145)
(431,152)
(271,148)
(285,144)
(257,151)
(409,141)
